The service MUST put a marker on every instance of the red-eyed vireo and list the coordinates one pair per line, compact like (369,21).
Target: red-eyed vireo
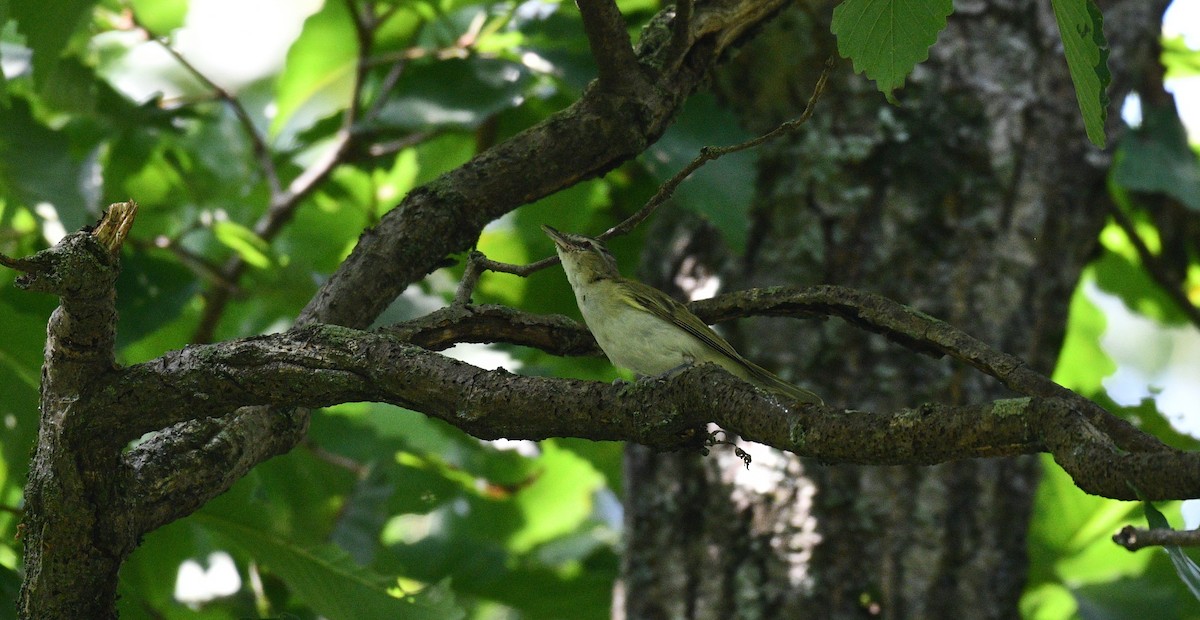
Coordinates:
(643,329)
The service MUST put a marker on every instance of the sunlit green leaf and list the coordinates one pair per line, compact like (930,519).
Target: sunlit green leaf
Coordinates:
(1179,60)
(1083,364)
(1117,273)
(1070,534)
(887,38)
(1048,601)
(1081,26)
(242,240)
(160,16)
(319,75)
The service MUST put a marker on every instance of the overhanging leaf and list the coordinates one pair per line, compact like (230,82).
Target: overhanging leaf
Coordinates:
(1080,25)
(887,38)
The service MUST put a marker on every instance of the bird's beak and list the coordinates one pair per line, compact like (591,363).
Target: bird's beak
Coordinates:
(558,238)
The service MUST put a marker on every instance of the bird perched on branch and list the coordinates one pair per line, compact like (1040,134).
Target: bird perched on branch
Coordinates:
(643,329)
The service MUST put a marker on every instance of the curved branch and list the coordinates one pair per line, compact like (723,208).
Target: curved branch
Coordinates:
(904,325)
(321,365)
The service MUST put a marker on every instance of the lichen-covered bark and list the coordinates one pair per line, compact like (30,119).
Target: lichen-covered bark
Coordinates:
(973,200)
(75,537)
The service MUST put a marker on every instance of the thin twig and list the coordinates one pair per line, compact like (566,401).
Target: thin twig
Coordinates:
(262,151)
(1134,538)
(284,202)
(395,146)
(710,153)
(477,262)
(1154,267)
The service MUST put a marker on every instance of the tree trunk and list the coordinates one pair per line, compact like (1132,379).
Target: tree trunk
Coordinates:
(975,200)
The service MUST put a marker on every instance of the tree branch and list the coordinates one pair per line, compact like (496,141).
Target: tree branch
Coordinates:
(1134,538)
(612,50)
(590,137)
(321,365)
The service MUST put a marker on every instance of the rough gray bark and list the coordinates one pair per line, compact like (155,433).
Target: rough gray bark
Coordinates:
(974,200)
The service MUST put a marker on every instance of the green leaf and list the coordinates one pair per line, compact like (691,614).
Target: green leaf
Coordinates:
(160,16)
(242,240)
(328,580)
(319,75)
(1155,157)
(48,31)
(1185,567)
(151,292)
(721,190)
(1083,364)
(454,93)
(36,165)
(1081,26)
(10,585)
(3,26)
(1118,271)
(1179,60)
(1070,534)
(887,38)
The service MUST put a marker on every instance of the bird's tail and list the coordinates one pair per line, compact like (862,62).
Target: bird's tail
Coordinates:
(767,380)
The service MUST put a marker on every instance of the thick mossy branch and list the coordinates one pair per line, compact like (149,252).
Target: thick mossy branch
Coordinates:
(321,365)
(75,543)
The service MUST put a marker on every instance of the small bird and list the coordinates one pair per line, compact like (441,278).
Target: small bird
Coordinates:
(643,329)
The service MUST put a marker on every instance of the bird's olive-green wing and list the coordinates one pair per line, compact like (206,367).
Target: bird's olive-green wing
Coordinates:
(660,304)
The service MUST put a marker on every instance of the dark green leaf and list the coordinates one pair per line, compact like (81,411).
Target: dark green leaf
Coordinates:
(721,190)
(10,584)
(887,38)
(455,92)
(1080,25)
(22,334)
(328,580)
(48,31)
(36,165)
(1155,157)
(151,292)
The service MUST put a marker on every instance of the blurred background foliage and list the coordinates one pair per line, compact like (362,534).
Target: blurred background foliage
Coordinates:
(221,118)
